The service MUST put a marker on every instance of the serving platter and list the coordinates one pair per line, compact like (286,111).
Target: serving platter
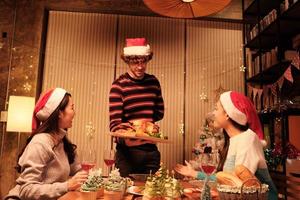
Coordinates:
(148,138)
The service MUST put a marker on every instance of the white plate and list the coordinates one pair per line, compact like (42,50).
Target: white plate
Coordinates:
(133,189)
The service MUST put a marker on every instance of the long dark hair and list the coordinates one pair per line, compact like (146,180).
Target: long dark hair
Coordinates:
(224,151)
(50,126)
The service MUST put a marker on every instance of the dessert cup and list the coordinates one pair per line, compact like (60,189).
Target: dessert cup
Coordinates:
(88,195)
(100,192)
(113,195)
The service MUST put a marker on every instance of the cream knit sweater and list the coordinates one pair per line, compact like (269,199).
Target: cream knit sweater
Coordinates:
(45,169)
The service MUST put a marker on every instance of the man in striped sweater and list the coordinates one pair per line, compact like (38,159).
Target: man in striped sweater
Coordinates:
(135,95)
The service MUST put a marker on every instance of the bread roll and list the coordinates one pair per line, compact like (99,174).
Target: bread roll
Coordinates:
(225,178)
(245,174)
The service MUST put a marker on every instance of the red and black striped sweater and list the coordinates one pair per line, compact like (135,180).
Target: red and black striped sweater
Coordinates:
(132,99)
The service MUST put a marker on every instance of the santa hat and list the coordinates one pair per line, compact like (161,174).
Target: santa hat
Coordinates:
(240,109)
(136,47)
(45,106)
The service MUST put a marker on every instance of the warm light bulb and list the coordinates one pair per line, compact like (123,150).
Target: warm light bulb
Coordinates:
(188,1)
(20,109)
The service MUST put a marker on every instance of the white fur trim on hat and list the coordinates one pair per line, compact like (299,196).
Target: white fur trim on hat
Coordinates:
(137,50)
(53,102)
(234,113)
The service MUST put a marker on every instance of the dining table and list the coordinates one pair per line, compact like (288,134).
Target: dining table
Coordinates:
(77,195)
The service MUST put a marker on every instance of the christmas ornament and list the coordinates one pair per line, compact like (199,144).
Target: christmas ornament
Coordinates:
(90,131)
(242,68)
(203,97)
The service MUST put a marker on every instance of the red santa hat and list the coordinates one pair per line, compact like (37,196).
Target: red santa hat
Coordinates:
(136,47)
(45,106)
(240,109)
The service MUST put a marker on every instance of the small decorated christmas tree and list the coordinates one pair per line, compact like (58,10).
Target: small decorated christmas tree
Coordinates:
(114,186)
(114,181)
(162,186)
(94,181)
(211,140)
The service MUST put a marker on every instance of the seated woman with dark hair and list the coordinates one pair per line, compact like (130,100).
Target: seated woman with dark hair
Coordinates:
(236,115)
(49,158)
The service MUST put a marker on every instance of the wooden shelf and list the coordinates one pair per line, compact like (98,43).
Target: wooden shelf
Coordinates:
(293,12)
(261,7)
(271,74)
(287,29)
(287,25)
(278,33)
(267,42)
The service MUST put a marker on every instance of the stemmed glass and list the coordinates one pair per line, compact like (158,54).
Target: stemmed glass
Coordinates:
(109,159)
(87,159)
(209,163)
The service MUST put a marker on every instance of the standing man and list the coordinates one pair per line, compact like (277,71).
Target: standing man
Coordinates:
(135,95)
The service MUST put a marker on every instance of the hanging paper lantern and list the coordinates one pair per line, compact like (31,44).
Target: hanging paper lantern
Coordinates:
(186,8)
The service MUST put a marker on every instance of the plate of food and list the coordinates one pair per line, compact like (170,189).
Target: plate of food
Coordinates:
(143,130)
(136,190)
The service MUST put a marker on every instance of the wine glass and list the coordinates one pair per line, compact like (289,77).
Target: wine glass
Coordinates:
(209,163)
(109,159)
(87,159)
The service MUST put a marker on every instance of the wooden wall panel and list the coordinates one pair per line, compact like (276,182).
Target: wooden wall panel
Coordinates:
(80,58)
(82,49)
(214,57)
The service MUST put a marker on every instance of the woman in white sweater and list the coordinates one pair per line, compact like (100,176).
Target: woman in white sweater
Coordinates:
(49,158)
(243,134)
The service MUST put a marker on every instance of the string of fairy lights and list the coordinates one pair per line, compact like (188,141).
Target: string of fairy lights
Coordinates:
(215,59)
(23,51)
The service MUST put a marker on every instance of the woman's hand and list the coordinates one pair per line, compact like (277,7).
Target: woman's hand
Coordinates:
(186,170)
(77,180)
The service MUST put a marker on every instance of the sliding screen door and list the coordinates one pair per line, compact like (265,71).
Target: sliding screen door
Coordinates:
(190,58)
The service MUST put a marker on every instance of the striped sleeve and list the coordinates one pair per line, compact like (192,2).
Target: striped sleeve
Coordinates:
(115,106)
(159,105)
